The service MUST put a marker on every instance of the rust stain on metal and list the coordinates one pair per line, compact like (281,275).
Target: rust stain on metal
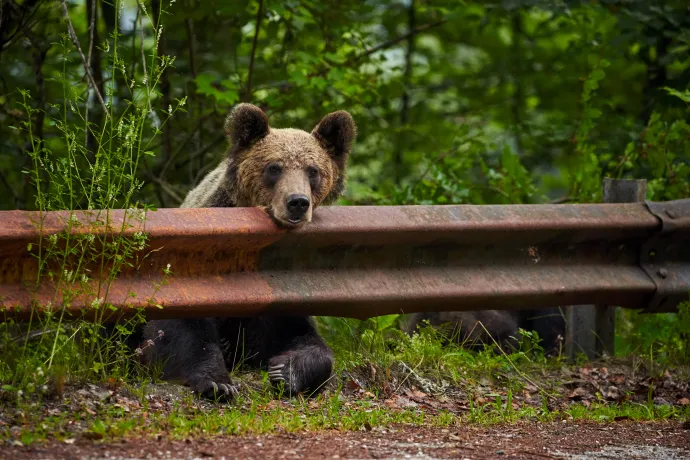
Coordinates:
(351,261)
(525,223)
(198,246)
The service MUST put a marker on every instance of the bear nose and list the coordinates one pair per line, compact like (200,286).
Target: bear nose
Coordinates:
(297,206)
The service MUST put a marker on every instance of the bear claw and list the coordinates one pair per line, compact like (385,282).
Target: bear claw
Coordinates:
(275,373)
(279,373)
(220,391)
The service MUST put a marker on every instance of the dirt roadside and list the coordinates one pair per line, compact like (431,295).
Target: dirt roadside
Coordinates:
(523,440)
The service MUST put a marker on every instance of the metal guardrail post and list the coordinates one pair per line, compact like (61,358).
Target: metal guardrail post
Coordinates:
(591,328)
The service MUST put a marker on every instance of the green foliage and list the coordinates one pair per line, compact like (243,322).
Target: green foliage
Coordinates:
(586,174)
(662,337)
(91,167)
(379,342)
(223,93)
(512,102)
(663,152)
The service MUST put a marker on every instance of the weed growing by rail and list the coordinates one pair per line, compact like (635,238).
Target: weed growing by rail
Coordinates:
(485,390)
(104,150)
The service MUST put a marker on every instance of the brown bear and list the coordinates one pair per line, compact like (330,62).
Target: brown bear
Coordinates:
(288,173)
(474,329)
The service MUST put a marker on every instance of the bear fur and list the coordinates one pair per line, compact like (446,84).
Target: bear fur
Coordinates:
(288,173)
(474,329)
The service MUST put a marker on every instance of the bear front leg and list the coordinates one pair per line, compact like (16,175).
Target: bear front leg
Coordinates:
(303,369)
(208,375)
(189,350)
(294,353)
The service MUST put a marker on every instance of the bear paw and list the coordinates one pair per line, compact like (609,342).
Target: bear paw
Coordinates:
(215,391)
(297,375)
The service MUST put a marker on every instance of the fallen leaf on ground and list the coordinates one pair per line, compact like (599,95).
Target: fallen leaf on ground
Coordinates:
(579,393)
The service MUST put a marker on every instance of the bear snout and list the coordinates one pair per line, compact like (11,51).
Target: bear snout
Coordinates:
(297,206)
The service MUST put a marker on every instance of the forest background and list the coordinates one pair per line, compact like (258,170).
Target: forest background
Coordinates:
(456,102)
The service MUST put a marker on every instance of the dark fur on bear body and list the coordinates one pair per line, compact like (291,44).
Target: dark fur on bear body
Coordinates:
(502,326)
(200,352)
(288,173)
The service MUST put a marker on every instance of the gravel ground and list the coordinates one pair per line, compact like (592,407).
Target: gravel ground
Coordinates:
(523,440)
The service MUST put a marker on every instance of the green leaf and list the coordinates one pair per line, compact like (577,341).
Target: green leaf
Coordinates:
(593,112)
(597,74)
(684,96)
(203,85)
(385,322)
(591,85)
(223,91)
(318,83)
(298,78)
(335,75)
(333,57)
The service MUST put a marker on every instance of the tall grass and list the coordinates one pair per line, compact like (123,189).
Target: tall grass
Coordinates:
(103,146)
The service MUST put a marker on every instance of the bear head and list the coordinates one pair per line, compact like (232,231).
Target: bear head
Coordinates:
(288,172)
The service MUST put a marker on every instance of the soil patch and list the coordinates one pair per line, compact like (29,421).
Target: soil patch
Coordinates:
(522,440)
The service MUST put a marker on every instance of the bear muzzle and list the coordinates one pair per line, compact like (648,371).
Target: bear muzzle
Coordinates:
(297,206)
(292,202)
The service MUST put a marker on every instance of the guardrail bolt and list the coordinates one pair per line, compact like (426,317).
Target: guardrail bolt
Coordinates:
(663,272)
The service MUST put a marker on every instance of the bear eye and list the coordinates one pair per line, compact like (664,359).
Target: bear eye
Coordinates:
(273,169)
(313,172)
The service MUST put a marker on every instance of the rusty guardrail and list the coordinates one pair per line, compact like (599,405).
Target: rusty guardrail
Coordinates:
(368,261)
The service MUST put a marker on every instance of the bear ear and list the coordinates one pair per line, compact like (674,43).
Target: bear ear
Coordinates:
(336,132)
(245,125)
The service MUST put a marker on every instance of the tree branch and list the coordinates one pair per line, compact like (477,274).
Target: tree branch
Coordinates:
(191,40)
(20,17)
(189,158)
(9,188)
(248,89)
(167,188)
(182,144)
(518,92)
(93,61)
(141,47)
(202,151)
(395,41)
(164,82)
(405,109)
(194,107)
(75,41)
(92,22)
(135,24)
